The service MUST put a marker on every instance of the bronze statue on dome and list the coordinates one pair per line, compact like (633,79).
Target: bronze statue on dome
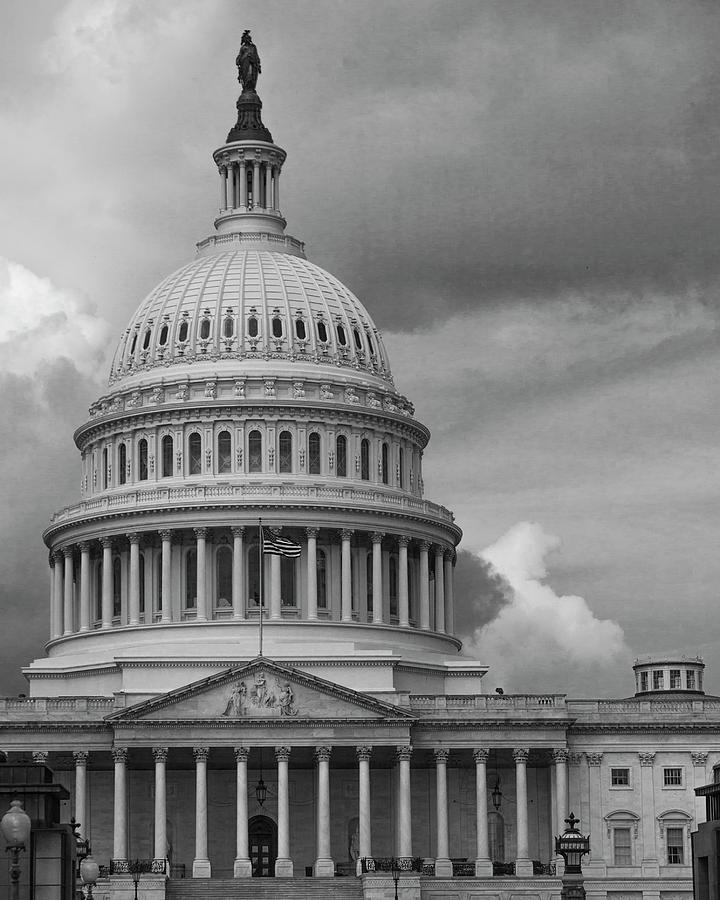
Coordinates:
(248,63)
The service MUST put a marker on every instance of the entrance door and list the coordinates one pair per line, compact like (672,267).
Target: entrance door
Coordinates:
(262,835)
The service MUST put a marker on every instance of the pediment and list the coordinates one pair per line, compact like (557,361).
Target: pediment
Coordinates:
(261,690)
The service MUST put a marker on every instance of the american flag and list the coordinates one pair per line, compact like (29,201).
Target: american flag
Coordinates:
(279,546)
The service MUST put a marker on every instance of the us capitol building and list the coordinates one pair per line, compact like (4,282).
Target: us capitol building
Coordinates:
(251,384)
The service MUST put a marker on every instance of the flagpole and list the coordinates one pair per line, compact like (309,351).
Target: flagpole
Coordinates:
(262,599)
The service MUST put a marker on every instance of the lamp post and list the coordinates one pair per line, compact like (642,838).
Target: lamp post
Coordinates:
(395,875)
(135,869)
(15,826)
(89,873)
(572,846)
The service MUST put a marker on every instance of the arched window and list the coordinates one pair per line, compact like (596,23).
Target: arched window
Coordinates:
(496,836)
(285,455)
(358,339)
(287,581)
(228,327)
(393,586)
(105,467)
(223,577)
(183,333)
(255,451)
(117,588)
(253,570)
(167,456)
(195,452)
(365,459)
(341,336)
(384,473)
(370,342)
(369,580)
(253,327)
(122,463)
(205,329)
(146,339)
(300,329)
(142,459)
(142,584)
(98,591)
(224,449)
(341,456)
(401,466)
(191,579)
(322,331)
(314,453)
(321,569)
(277,331)
(133,344)
(163,339)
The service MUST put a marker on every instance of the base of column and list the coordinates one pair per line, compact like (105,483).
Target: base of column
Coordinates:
(324,868)
(483,866)
(201,868)
(283,868)
(242,868)
(443,867)
(523,867)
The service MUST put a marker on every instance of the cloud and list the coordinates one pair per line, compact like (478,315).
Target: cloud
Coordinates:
(480,592)
(540,638)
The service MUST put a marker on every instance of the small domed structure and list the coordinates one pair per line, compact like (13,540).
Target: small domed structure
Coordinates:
(668,675)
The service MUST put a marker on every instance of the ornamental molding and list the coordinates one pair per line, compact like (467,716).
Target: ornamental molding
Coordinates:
(699,758)
(680,727)
(647,758)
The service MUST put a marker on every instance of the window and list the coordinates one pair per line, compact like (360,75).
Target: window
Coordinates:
(287,581)
(620,777)
(191,579)
(658,681)
(341,336)
(105,467)
(384,464)
(322,331)
(163,339)
(224,451)
(401,466)
(167,456)
(314,453)
(393,586)
(321,569)
(255,451)
(370,342)
(228,327)
(183,333)
(122,463)
(142,584)
(675,680)
(285,454)
(253,327)
(146,339)
(195,452)
(622,847)
(690,679)
(674,841)
(643,681)
(358,339)
(672,776)
(205,329)
(117,588)
(341,456)
(133,345)
(142,459)
(223,577)
(365,459)
(277,331)
(300,332)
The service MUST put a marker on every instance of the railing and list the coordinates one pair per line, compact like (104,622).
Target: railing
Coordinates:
(137,867)
(463,869)
(500,868)
(491,702)
(391,864)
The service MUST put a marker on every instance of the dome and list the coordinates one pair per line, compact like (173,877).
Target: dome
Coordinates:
(250,305)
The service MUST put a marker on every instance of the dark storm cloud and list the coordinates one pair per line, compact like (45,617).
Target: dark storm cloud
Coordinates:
(480,593)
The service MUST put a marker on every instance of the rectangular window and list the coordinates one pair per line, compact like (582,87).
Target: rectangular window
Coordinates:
(672,776)
(675,680)
(658,680)
(622,848)
(620,777)
(643,681)
(675,846)
(690,679)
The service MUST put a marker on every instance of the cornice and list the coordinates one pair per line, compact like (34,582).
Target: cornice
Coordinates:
(235,724)
(679,727)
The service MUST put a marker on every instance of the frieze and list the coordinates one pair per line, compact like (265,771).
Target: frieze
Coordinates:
(261,698)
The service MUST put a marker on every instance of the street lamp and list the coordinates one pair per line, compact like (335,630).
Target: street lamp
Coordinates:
(15,826)
(395,875)
(89,873)
(136,869)
(572,846)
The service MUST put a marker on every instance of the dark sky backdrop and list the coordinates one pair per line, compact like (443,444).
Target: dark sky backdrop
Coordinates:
(524,195)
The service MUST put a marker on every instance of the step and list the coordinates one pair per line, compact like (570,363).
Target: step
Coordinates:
(264,889)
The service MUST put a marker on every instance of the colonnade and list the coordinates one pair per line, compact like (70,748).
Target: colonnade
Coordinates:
(324,863)
(249,184)
(75,583)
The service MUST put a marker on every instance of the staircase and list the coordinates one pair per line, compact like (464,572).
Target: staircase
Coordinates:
(264,889)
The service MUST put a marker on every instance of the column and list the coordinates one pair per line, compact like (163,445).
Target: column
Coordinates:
(107,582)
(231,185)
(560,758)
(364,808)
(403,596)
(699,761)
(201,863)
(283,864)
(346,577)
(483,863)
(68,591)
(268,186)
(243,183)
(275,607)
(222,171)
(523,863)
(439,590)
(256,183)
(242,867)
(424,586)
(238,534)
(84,585)
(443,865)
(276,197)
(166,576)
(324,865)
(449,598)
(58,574)
(160,755)
(595,821)
(201,539)
(81,804)
(650,862)
(134,594)
(120,804)
(377,598)
(405,806)
(312,534)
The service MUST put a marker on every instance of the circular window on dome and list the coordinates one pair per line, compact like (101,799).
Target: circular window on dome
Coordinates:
(205,329)
(228,327)
(341,336)
(146,339)
(183,333)
(300,329)
(322,331)
(277,329)
(253,327)
(163,339)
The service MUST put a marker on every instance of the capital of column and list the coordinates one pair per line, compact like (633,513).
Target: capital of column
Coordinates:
(449,553)
(439,550)
(200,532)
(594,759)
(403,540)
(363,753)
(560,755)
(646,758)
(377,537)
(40,757)
(84,546)
(119,754)
(133,537)
(166,534)
(81,757)
(282,753)
(51,560)
(160,754)
(699,759)
(68,552)
(403,752)
(521,754)
(312,532)
(241,754)
(424,545)
(238,530)
(481,754)
(57,555)
(441,754)
(201,753)
(347,534)
(322,754)
(575,758)
(106,542)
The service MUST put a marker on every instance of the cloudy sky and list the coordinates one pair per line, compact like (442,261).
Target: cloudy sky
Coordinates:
(524,193)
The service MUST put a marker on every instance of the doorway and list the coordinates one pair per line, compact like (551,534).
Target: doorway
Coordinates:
(262,837)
